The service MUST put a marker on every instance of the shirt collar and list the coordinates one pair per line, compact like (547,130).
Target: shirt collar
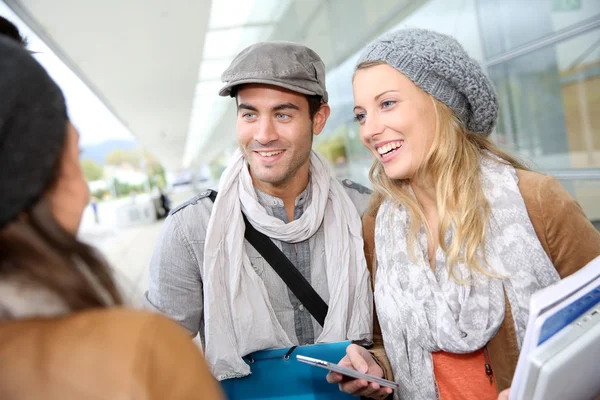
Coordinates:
(266,200)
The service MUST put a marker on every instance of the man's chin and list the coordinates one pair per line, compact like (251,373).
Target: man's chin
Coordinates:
(265,174)
(268,179)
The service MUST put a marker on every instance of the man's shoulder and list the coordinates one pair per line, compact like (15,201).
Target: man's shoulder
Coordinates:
(358,193)
(352,186)
(204,198)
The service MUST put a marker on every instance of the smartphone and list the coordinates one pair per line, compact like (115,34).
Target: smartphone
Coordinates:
(346,371)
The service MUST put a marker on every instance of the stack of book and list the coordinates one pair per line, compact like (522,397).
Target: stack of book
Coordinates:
(560,355)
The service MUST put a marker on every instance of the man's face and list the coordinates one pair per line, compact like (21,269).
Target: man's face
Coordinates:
(274,132)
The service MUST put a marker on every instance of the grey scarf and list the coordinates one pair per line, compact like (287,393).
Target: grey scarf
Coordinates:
(423,311)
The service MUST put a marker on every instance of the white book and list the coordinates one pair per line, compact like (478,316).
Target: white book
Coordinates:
(566,365)
(565,301)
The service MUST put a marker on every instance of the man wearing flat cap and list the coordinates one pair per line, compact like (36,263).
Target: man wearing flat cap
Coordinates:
(206,276)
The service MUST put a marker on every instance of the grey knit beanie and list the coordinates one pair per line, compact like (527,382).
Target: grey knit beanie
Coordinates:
(439,65)
(33,126)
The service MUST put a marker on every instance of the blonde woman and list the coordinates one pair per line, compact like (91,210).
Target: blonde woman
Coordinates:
(460,234)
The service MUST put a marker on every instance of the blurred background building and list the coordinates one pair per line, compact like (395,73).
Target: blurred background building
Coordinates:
(156,66)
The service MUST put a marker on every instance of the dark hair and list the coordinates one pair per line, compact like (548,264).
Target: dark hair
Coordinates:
(9,29)
(314,101)
(36,248)
(314,104)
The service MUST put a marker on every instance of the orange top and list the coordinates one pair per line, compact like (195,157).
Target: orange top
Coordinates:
(463,376)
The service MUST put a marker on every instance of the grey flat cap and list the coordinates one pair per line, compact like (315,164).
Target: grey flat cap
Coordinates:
(439,65)
(284,64)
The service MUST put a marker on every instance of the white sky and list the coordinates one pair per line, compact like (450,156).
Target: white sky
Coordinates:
(94,121)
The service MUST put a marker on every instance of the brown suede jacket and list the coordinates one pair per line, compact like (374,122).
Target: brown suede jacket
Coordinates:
(103,354)
(567,236)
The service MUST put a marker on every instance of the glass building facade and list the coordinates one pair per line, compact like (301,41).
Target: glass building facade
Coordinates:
(542,55)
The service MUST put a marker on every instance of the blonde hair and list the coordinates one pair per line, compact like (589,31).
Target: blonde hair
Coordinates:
(452,168)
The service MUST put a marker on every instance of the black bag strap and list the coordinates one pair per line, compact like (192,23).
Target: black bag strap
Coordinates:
(285,269)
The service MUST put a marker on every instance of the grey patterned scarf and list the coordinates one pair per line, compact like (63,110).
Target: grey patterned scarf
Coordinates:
(423,311)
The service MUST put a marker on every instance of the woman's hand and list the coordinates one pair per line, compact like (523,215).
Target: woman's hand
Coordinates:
(504,394)
(359,359)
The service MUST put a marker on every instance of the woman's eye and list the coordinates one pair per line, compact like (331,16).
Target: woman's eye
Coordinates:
(359,117)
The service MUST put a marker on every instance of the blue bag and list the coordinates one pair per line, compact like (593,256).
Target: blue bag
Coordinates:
(276,374)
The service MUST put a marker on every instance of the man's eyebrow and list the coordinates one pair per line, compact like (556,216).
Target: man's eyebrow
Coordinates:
(244,106)
(285,106)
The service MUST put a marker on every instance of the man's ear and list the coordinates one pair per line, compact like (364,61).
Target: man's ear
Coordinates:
(320,118)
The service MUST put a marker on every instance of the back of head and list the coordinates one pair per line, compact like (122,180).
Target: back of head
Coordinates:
(33,118)
(8,29)
(34,248)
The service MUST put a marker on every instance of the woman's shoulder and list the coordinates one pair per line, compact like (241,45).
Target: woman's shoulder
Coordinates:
(107,351)
(531,179)
(542,192)
(565,232)
(94,333)
(126,331)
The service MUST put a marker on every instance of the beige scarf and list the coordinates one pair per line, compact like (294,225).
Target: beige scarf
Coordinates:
(238,316)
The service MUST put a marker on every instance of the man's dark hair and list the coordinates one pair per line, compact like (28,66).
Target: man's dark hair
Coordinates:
(9,29)
(314,102)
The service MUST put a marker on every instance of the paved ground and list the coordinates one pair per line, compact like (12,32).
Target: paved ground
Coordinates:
(130,257)
(128,249)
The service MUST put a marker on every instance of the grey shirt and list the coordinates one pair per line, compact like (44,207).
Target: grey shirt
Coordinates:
(176,267)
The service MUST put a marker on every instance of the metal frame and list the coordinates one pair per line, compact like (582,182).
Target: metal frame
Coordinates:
(556,37)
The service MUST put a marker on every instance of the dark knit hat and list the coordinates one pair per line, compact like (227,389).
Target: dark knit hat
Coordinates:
(10,30)
(33,118)
(439,65)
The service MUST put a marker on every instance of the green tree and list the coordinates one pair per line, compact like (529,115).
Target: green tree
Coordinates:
(332,148)
(92,170)
(123,189)
(119,157)
(155,171)
(100,193)
(134,157)
(153,166)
